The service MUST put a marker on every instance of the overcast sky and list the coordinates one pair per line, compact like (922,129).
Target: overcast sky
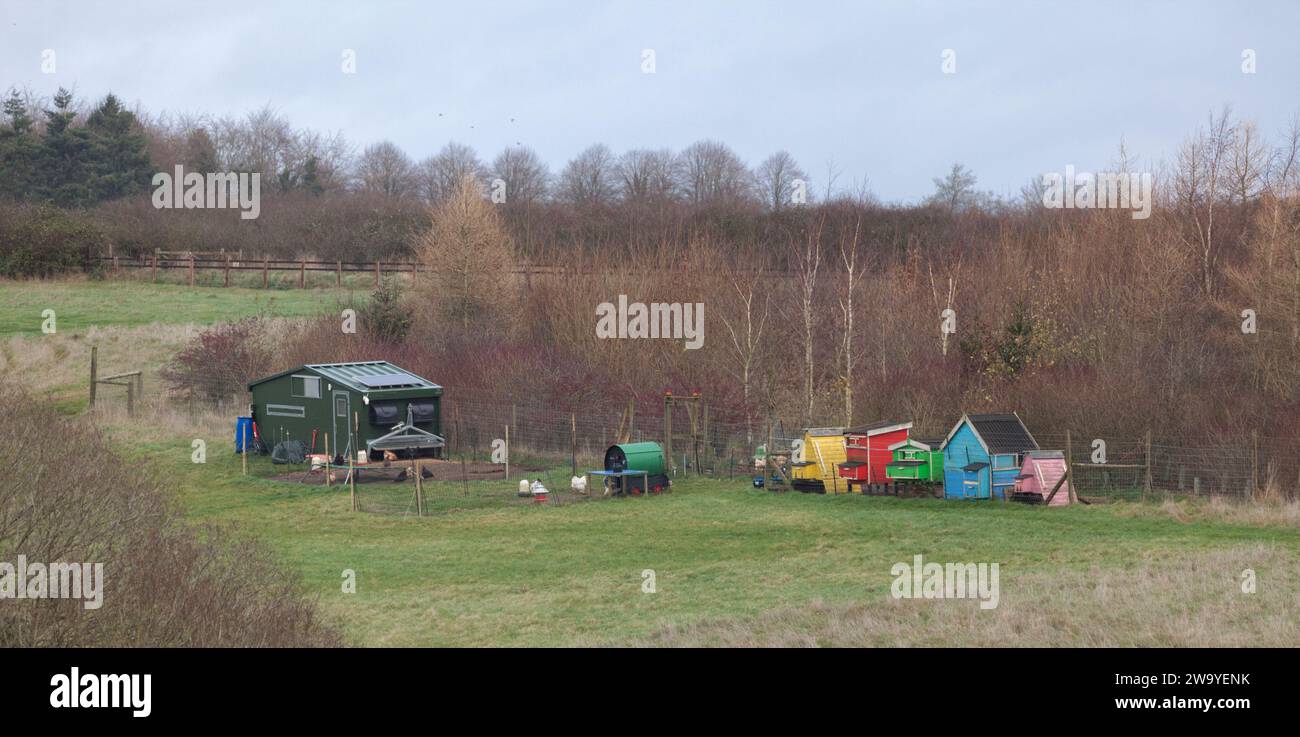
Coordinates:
(1038,85)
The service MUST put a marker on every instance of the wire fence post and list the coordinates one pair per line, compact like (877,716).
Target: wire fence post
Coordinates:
(1146,481)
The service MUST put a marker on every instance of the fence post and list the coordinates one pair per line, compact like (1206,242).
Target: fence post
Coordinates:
(1069,469)
(573,449)
(419,488)
(130,399)
(266,265)
(329,461)
(1146,482)
(153,274)
(191,268)
(243,456)
(94,361)
(227,270)
(302,275)
(507,452)
(338,272)
(1254,464)
(377,274)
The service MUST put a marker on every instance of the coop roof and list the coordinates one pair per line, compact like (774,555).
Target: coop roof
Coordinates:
(822,432)
(1046,455)
(362,376)
(878,428)
(998,433)
(974,466)
(914,443)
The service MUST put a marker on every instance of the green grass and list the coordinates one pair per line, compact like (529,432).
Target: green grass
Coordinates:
(478,574)
(81,304)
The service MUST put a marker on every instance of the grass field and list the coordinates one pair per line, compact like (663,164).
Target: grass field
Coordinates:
(732,565)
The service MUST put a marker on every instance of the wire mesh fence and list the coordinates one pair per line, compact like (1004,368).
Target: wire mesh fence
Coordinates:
(494,441)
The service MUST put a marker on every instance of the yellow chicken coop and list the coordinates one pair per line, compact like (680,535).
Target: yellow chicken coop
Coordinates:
(816,461)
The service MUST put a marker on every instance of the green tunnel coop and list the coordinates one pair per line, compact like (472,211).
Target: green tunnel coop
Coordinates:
(647,457)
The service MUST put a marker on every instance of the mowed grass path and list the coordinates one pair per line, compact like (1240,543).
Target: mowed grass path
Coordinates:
(546,575)
(82,303)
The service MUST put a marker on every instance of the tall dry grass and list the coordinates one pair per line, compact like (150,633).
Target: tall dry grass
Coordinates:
(66,496)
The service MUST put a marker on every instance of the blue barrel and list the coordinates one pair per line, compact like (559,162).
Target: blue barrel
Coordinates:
(243,430)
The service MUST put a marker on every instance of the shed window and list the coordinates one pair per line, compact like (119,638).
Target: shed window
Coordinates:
(306,387)
(383,413)
(426,411)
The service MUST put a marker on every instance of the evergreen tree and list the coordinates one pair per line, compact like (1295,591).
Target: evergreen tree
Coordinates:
(62,174)
(18,150)
(119,165)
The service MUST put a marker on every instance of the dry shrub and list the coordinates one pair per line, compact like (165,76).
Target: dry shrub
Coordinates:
(67,497)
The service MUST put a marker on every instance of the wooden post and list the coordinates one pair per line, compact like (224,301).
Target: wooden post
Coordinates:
(1146,481)
(1254,464)
(507,451)
(266,267)
(94,363)
(329,461)
(573,447)
(153,274)
(302,275)
(244,455)
(419,488)
(130,399)
(139,385)
(668,430)
(191,268)
(377,274)
(352,469)
(338,272)
(227,278)
(1069,468)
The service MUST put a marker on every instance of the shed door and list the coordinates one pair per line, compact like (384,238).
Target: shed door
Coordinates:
(343,424)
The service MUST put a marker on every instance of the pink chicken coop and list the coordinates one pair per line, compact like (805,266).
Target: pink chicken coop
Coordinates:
(1040,473)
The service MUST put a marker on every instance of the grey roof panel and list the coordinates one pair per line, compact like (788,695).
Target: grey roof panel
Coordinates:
(1003,433)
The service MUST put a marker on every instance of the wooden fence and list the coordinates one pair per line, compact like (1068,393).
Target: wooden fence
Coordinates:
(232,262)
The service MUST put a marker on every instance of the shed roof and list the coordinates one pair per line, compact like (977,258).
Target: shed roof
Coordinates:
(998,433)
(876,428)
(823,432)
(362,376)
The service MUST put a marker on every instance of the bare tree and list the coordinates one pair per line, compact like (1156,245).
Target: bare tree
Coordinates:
(646,175)
(386,169)
(713,174)
(853,265)
(524,174)
(1201,183)
(589,179)
(956,191)
(746,333)
(808,259)
(776,179)
(1247,164)
(438,177)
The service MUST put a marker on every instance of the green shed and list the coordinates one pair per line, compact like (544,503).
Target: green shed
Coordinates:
(367,406)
